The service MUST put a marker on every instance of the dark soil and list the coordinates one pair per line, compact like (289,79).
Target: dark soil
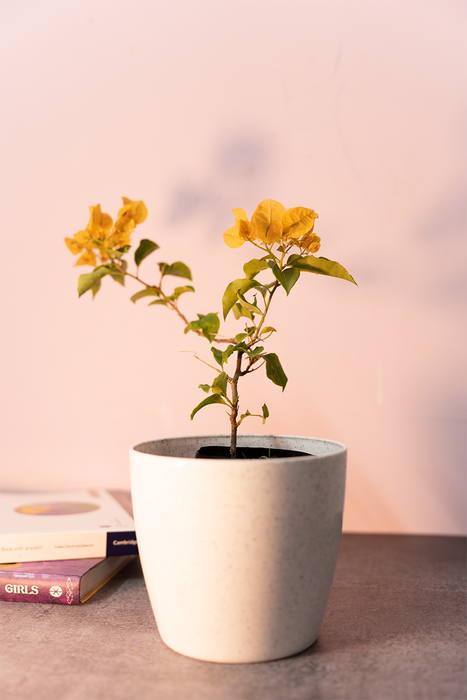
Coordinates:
(223,452)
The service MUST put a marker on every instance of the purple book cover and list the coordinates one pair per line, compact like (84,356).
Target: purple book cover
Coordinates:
(56,581)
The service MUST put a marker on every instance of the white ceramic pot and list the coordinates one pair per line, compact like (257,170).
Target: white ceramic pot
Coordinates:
(238,555)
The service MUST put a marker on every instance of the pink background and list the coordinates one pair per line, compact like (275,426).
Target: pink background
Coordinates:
(355,109)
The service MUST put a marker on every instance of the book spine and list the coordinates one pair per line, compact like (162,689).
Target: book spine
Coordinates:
(52,546)
(121,543)
(61,590)
(57,546)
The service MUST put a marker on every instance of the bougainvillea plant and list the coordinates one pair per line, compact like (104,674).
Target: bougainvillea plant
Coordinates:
(286,245)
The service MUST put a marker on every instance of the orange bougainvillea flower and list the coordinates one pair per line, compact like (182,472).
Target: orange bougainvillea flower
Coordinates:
(310,243)
(133,210)
(267,221)
(101,236)
(238,234)
(271,223)
(265,224)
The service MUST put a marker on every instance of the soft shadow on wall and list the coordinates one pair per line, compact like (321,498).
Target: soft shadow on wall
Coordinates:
(239,166)
(444,399)
(419,415)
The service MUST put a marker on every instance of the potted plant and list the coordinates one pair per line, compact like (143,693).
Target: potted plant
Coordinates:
(238,534)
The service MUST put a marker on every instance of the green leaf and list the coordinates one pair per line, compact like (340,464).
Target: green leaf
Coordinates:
(230,294)
(160,302)
(205,387)
(293,258)
(96,288)
(268,329)
(291,275)
(214,398)
(265,413)
(177,269)
(220,383)
(90,280)
(274,370)
(233,348)
(241,336)
(286,278)
(252,268)
(250,307)
(238,312)
(277,272)
(120,252)
(116,274)
(257,351)
(178,291)
(145,248)
(208,325)
(149,292)
(263,288)
(222,357)
(218,356)
(228,352)
(320,266)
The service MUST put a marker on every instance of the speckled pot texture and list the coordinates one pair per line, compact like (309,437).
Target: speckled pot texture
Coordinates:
(238,555)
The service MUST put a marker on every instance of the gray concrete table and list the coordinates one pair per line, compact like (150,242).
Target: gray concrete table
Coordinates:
(393,630)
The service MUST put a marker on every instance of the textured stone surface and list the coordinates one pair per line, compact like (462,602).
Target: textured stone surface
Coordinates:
(393,630)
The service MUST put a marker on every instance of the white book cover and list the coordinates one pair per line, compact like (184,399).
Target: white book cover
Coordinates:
(64,525)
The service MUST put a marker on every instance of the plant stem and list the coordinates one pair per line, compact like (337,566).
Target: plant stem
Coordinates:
(234,410)
(171,304)
(263,318)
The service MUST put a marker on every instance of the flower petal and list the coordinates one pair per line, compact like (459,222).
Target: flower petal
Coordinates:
(84,238)
(240,214)
(311,243)
(245,230)
(73,246)
(238,234)
(87,258)
(106,222)
(267,220)
(133,210)
(232,237)
(298,221)
(99,224)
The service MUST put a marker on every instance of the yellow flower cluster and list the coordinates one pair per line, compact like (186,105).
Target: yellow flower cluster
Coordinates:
(100,235)
(272,223)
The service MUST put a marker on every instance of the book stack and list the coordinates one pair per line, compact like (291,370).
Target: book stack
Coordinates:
(62,547)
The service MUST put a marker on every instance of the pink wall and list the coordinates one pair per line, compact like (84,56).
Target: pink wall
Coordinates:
(356,109)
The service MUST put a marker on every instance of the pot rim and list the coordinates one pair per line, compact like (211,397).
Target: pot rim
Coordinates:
(242,439)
